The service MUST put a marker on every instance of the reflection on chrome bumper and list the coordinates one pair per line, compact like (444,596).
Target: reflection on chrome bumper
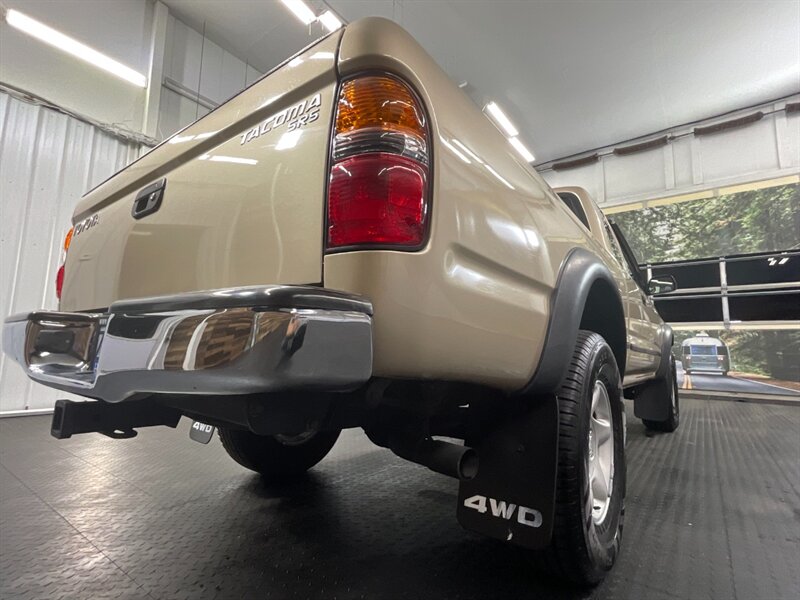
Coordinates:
(235,341)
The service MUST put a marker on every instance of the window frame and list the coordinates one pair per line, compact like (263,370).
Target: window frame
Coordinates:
(582,217)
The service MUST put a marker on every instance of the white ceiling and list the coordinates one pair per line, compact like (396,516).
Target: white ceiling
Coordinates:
(572,75)
(260,32)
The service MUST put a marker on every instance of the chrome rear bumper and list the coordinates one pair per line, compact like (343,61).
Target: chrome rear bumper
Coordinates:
(233,341)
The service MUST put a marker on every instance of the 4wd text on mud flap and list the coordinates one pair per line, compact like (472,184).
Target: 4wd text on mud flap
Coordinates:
(505,510)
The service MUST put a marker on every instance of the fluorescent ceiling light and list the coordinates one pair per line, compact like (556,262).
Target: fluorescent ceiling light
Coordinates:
(289,139)
(301,11)
(467,151)
(179,139)
(321,56)
(499,177)
(521,149)
(229,159)
(269,101)
(455,151)
(50,36)
(501,119)
(330,21)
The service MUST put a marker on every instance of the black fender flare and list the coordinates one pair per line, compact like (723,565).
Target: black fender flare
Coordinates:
(579,271)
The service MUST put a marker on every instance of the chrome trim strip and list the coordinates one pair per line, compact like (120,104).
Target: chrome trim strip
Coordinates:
(196,351)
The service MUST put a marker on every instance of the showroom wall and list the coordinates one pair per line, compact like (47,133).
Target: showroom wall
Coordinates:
(768,148)
(47,161)
(192,73)
(120,29)
(198,75)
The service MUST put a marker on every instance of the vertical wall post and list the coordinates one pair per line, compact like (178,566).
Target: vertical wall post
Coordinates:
(158,43)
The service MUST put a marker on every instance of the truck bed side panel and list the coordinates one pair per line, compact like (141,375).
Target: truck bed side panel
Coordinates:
(473,305)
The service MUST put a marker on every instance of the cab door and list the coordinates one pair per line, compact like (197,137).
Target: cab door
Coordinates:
(644,351)
(641,320)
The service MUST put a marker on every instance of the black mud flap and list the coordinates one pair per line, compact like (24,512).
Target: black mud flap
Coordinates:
(652,400)
(512,498)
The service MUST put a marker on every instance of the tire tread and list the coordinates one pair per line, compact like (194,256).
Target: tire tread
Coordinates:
(565,558)
(266,455)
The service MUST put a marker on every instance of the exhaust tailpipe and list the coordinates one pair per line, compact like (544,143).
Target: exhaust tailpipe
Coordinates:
(446,458)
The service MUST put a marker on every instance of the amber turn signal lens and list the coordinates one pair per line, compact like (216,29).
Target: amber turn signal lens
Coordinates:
(378,101)
(68,239)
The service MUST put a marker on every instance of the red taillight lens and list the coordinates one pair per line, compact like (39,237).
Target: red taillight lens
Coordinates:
(59,281)
(377,199)
(379,190)
(60,272)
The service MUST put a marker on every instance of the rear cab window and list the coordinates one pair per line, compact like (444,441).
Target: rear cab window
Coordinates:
(574,204)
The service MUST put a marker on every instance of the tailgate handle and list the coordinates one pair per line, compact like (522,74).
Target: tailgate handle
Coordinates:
(149,199)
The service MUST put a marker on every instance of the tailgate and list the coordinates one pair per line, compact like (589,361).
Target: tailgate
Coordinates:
(243,197)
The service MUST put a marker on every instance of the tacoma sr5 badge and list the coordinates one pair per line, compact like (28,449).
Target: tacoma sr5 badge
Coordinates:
(293,117)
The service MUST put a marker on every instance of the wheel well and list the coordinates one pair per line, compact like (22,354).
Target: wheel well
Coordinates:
(585,296)
(603,314)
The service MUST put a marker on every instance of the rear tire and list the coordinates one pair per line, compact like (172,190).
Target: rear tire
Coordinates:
(277,457)
(670,385)
(587,528)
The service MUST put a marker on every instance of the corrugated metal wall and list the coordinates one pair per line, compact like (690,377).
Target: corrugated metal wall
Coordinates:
(47,161)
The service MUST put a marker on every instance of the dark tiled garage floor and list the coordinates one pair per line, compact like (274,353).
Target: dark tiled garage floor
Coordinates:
(713,512)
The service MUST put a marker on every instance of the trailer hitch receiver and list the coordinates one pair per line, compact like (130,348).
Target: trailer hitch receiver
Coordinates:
(118,420)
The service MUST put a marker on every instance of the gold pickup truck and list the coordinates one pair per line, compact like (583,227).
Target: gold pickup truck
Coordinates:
(349,242)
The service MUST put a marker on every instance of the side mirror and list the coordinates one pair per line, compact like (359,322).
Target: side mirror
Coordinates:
(661,285)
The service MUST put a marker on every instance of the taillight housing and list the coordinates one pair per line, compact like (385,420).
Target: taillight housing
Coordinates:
(60,272)
(379,186)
